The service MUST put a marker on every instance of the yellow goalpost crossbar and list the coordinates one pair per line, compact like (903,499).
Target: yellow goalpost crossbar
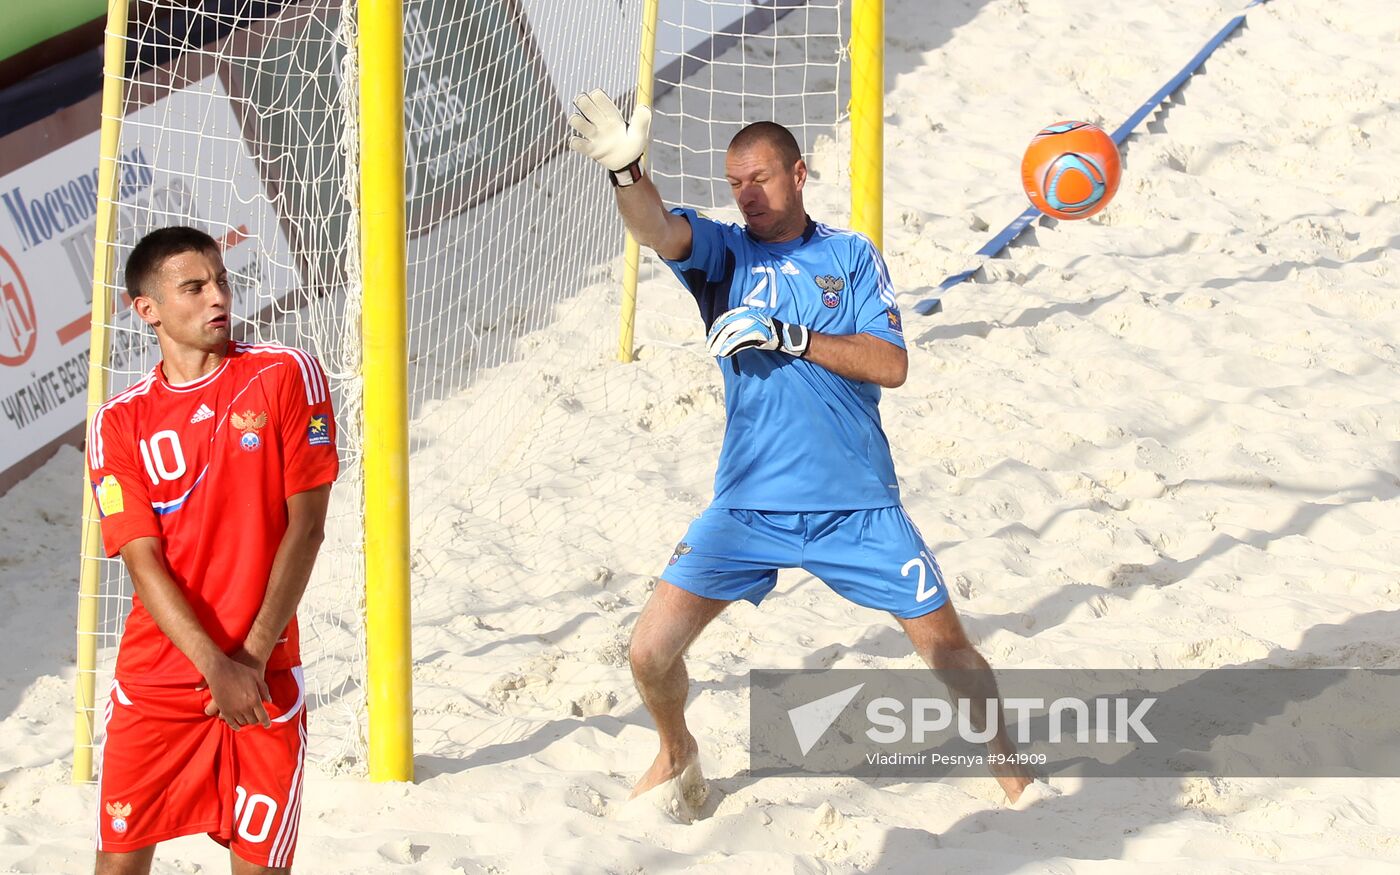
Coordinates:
(384,327)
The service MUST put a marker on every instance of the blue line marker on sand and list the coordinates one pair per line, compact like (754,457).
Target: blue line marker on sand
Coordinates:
(1005,236)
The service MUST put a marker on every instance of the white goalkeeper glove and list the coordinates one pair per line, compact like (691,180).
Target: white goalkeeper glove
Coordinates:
(747,328)
(600,133)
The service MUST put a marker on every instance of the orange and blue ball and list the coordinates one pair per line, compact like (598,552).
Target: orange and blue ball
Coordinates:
(1071,170)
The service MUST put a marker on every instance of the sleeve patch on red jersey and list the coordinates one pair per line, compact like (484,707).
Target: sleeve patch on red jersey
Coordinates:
(318,430)
(109,496)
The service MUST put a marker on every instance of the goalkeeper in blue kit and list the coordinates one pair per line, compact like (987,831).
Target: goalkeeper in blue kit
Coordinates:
(803,321)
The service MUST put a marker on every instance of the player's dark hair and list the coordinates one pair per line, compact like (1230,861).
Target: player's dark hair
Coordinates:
(773,134)
(152,250)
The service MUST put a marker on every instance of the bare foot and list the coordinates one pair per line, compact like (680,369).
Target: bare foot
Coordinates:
(1014,779)
(1034,793)
(678,800)
(667,765)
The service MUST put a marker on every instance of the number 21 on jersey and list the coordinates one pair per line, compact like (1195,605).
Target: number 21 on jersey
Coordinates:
(768,283)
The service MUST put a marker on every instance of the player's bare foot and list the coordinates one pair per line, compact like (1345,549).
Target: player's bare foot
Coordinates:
(676,800)
(1035,792)
(669,764)
(1014,785)
(1021,786)
(1014,778)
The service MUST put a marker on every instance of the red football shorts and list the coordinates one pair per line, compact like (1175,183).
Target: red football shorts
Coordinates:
(168,770)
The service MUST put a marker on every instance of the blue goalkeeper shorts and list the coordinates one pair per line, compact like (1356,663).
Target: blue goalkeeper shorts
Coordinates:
(875,558)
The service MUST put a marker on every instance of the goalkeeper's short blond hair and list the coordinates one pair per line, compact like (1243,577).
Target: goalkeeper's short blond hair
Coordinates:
(775,135)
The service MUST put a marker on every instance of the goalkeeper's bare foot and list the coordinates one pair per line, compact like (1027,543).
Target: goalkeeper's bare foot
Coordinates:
(1013,783)
(673,790)
(1013,776)
(669,764)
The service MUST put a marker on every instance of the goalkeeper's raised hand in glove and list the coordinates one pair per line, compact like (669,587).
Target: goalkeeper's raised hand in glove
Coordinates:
(601,134)
(747,328)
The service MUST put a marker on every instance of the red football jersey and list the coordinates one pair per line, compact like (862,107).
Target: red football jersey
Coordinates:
(207,467)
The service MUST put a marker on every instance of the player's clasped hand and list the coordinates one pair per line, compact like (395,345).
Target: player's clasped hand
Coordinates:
(600,133)
(746,328)
(238,691)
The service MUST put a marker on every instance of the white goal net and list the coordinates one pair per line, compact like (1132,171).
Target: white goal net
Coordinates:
(240,118)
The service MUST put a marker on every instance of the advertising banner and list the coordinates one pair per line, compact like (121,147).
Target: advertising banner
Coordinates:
(47,222)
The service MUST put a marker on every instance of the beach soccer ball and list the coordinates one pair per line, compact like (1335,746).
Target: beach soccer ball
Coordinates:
(1070,170)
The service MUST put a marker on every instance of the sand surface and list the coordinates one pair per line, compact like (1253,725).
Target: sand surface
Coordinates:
(1167,436)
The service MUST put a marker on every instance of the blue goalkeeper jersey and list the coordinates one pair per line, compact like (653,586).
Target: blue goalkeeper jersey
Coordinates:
(798,437)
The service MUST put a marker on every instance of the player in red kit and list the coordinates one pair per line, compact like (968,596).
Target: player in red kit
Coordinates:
(212,475)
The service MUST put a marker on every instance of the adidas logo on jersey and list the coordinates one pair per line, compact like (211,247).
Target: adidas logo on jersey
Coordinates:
(201,414)
(789,268)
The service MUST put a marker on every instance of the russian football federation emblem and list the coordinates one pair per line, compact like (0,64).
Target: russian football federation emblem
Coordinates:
(318,430)
(249,423)
(119,813)
(681,549)
(831,287)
